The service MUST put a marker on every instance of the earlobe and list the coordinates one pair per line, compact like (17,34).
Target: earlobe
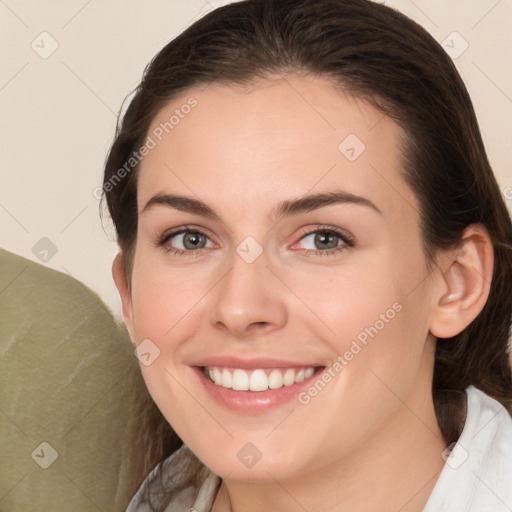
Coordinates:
(122,285)
(467,282)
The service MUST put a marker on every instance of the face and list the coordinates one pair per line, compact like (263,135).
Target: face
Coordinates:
(279,248)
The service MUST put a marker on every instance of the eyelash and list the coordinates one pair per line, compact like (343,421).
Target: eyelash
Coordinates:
(179,252)
(347,240)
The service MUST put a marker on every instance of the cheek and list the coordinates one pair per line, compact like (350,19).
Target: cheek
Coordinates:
(163,299)
(371,314)
(163,304)
(376,330)
(344,300)
(167,303)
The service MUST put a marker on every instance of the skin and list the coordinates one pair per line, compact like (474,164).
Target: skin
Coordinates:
(243,150)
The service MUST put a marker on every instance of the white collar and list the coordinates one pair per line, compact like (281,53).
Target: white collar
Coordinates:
(477,475)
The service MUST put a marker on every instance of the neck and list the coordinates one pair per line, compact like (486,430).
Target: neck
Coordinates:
(394,470)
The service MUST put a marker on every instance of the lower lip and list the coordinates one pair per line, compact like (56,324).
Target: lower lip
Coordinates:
(253,402)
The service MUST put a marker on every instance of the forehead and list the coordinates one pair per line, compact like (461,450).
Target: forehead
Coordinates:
(277,138)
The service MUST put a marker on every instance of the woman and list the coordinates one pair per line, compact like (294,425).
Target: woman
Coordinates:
(315,267)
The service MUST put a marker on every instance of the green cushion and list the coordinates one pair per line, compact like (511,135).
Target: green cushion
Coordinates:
(69,378)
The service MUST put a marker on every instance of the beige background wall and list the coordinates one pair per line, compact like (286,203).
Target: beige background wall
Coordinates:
(58,110)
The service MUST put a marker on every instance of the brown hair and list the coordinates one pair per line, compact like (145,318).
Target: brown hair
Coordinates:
(379,55)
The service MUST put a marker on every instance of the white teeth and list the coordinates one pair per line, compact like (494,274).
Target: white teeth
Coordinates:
(275,380)
(257,380)
(227,379)
(217,377)
(289,377)
(240,381)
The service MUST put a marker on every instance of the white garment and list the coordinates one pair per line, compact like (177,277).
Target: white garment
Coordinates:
(477,475)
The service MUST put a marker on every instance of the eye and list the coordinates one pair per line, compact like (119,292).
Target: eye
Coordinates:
(325,241)
(185,240)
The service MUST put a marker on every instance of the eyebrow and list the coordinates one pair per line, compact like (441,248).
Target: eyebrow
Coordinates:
(288,207)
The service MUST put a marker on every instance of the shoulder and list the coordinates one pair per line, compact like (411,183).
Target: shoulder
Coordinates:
(478,471)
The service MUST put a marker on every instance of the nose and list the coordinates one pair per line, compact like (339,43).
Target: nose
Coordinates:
(249,300)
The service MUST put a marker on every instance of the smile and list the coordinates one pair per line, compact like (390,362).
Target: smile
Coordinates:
(256,380)
(253,386)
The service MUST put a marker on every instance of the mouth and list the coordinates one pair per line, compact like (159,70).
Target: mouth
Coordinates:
(259,379)
(253,386)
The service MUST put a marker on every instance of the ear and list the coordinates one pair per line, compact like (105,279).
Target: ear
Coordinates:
(123,287)
(467,281)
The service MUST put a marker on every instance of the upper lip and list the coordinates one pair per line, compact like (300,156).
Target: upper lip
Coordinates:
(251,364)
